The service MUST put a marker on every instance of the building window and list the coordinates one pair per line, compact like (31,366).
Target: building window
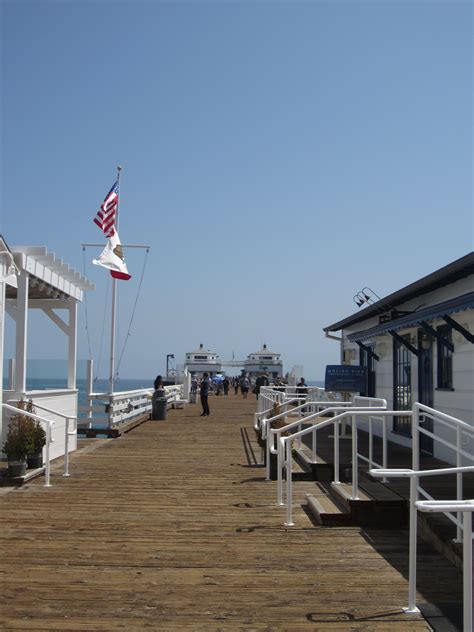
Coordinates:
(365,359)
(401,386)
(445,358)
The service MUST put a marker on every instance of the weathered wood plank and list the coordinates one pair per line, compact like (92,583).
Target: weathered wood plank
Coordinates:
(173,527)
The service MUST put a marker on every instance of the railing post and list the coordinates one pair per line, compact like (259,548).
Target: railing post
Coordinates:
(268,439)
(66,449)
(371,446)
(415,442)
(280,459)
(89,386)
(289,485)
(355,471)
(459,481)
(384,446)
(412,554)
(314,450)
(48,467)
(467,572)
(336,452)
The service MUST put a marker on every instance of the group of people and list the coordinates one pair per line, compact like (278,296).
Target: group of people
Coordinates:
(204,385)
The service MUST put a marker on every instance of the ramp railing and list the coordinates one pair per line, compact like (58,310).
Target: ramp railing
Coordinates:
(464,524)
(466,507)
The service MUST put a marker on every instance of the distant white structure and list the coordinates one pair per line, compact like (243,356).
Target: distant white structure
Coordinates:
(202,361)
(264,361)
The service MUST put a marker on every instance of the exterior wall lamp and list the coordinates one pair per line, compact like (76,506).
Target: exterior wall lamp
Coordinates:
(426,341)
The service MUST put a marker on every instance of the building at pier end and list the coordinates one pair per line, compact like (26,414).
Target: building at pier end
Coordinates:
(264,362)
(202,361)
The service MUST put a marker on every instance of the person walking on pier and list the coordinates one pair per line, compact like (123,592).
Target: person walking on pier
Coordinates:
(244,386)
(205,395)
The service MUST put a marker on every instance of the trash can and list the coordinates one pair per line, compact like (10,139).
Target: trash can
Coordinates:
(192,398)
(159,405)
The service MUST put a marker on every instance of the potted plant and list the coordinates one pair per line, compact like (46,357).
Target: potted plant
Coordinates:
(38,441)
(19,441)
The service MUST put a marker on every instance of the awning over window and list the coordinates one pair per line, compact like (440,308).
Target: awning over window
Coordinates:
(458,304)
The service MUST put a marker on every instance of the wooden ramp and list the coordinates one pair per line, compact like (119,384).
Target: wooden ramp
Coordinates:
(173,527)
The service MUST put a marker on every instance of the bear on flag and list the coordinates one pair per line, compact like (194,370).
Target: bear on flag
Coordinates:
(112,258)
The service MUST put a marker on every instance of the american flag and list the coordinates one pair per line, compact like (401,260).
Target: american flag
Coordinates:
(105,218)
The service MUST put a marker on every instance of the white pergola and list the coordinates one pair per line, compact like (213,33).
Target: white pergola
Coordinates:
(43,282)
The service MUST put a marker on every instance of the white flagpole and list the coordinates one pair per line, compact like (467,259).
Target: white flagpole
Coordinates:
(114,308)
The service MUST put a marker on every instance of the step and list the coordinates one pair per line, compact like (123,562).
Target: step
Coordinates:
(326,512)
(299,471)
(322,470)
(376,505)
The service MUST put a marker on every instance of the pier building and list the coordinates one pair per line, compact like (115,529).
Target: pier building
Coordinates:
(418,346)
(202,361)
(264,362)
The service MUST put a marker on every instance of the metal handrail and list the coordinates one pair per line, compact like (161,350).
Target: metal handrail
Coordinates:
(446,507)
(284,451)
(458,426)
(49,439)
(275,432)
(67,433)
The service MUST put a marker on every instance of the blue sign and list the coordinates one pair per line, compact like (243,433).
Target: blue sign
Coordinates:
(341,377)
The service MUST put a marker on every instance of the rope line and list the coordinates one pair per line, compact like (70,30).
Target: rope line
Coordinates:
(85,303)
(103,328)
(145,260)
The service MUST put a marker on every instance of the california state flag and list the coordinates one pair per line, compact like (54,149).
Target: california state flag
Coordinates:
(112,258)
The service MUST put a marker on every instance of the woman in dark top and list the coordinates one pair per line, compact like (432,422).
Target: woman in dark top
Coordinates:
(204,395)
(158,383)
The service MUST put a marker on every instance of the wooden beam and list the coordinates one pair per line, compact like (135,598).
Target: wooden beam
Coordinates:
(368,350)
(56,320)
(404,342)
(429,329)
(455,325)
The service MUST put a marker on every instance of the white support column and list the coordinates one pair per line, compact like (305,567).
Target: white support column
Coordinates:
(72,344)
(2,318)
(11,374)
(21,332)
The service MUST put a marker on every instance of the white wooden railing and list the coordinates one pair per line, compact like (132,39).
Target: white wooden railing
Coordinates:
(125,406)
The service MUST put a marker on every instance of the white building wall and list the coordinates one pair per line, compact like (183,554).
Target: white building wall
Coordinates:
(62,401)
(458,402)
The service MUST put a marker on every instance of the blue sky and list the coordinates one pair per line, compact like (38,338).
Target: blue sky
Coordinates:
(278,156)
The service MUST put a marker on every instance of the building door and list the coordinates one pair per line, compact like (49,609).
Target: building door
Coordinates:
(365,359)
(425,386)
(401,386)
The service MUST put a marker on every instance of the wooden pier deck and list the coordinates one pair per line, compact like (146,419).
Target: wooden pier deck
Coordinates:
(173,527)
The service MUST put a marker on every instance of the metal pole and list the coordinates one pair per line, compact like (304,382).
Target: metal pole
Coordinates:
(336,452)
(48,441)
(268,438)
(66,449)
(459,481)
(289,485)
(90,385)
(112,327)
(355,471)
(412,554)
(467,572)
(280,464)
